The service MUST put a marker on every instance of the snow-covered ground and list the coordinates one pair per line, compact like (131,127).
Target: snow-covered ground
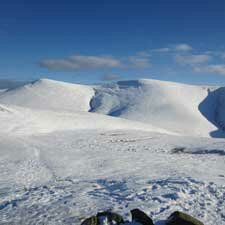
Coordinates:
(62,160)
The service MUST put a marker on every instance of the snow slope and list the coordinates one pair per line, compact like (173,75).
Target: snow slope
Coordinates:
(45,106)
(52,95)
(183,109)
(68,151)
(62,177)
(168,105)
(26,121)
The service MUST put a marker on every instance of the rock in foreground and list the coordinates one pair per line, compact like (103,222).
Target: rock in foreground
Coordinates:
(179,218)
(139,218)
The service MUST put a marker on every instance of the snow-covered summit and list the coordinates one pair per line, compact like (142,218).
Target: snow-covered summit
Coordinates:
(50,95)
(169,105)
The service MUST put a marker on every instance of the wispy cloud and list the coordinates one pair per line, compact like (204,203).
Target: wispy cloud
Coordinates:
(183,47)
(214,68)
(182,54)
(218,69)
(110,77)
(81,62)
(144,54)
(216,53)
(161,50)
(91,62)
(192,59)
(222,55)
(139,62)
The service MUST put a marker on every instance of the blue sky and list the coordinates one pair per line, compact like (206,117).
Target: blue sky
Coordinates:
(89,41)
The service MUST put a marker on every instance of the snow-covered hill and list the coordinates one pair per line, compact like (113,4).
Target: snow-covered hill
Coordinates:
(25,121)
(51,95)
(46,106)
(68,151)
(179,108)
(172,106)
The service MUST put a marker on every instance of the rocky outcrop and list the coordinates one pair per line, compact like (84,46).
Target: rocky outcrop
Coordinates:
(90,221)
(110,217)
(180,218)
(113,218)
(141,217)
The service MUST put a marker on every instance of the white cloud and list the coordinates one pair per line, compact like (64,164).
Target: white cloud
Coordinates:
(183,47)
(161,50)
(143,54)
(223,55)
(138,62)
(217,68)
(210,53)
(88,62)
(110,77)
(191,59)
(81,62)
(214,68)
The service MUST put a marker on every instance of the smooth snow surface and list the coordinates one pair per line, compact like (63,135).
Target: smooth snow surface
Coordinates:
(52,95)
(64,155)
(176,107)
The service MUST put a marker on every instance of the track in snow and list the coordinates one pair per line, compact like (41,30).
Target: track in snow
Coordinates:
(70,175)
(60,163)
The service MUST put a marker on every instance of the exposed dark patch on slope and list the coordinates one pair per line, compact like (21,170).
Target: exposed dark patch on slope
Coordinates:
(199,151)
(213,109)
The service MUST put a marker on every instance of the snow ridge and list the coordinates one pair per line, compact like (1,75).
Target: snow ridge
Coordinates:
(179,108)
(68,151)
(45,94)
(168,105)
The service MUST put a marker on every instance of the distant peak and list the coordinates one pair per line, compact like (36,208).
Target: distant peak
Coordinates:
(46,81)
(144,81)
(132,83)
(139,82)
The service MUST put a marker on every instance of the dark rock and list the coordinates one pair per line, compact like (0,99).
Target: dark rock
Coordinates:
(112,217)
(90,221)
(141,217)
(179,218)
(178,150)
